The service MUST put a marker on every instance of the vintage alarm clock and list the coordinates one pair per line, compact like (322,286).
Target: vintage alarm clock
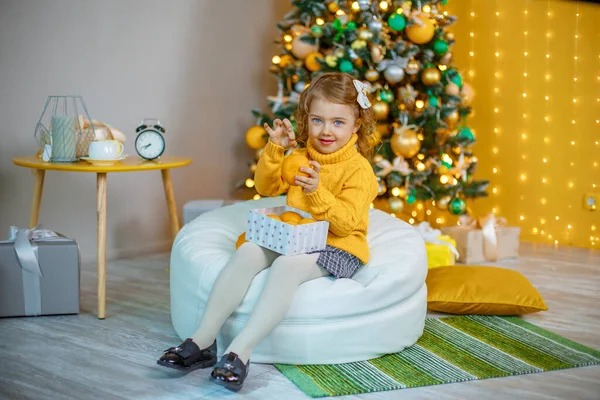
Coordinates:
(150,142)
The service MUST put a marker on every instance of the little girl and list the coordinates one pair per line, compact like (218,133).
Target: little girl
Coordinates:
(335,121)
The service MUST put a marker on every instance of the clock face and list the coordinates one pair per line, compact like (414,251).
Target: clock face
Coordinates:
(150,144)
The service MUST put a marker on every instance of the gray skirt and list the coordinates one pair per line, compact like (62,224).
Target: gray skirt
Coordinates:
(339,263)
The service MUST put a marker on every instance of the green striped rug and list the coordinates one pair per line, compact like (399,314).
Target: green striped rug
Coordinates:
(452,349)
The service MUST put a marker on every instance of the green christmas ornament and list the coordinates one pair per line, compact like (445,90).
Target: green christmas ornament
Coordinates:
(346,66)
(317,31)
(457,80)
(465,133)
(457,206)
(397,22)
(411,198)
(387,96)
(440,47)
(433,101)
(444,2)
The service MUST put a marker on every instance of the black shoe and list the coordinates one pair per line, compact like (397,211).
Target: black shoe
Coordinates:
(189,357)
(230,372)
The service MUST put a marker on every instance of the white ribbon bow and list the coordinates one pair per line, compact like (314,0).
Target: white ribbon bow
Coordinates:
(399,164)
(26,250)
(363,99)
(431,235)
(488,225)
(399,61)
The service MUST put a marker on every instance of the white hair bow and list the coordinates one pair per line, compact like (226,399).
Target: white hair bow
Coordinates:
(363,99)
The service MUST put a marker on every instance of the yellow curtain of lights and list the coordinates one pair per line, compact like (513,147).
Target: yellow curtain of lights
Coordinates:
(535,69)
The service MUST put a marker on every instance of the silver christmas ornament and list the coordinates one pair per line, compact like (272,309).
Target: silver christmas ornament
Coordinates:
(299,86)
(393,73)
(364,4)
(375,25)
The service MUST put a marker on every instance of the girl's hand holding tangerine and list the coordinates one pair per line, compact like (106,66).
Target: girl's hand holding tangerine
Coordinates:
(282,133)
(311,183)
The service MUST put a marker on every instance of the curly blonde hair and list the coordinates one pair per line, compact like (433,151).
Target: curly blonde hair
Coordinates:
(336,87)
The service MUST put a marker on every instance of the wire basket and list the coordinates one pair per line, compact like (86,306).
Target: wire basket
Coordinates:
(64,131)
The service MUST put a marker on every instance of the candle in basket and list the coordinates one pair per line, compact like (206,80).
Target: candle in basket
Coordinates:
(64,142)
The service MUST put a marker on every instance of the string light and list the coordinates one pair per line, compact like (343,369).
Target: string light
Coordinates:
(256,197)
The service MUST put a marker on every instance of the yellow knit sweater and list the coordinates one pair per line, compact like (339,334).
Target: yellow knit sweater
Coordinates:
(347,186)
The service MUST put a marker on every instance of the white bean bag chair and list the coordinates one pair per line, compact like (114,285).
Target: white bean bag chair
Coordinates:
(380,310)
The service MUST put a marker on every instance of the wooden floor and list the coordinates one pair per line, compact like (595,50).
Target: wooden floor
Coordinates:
(81,357)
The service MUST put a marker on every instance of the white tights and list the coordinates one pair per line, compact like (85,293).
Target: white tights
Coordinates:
(285,275)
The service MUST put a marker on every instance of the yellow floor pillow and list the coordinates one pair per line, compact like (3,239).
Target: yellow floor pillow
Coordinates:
(481,290)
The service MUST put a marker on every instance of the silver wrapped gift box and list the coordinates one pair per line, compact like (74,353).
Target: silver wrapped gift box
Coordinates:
(39,273)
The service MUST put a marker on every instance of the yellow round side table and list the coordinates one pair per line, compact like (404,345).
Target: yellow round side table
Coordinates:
(129,164)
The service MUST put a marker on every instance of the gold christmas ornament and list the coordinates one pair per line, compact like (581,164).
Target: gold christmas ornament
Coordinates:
(383,129)
(396,205)
(358,44)
(253,168)
(339,53)
(449,36)
(452,119)
(442,204)
(365,34)
(430,76)
(466,94)
(301,49)
(286,60)
(442,170)
(331,61)
(452,89)
(405,142)
(372,75)
(422,31)
(375,138)
(376,54)
(298,30)
(256,137)
(381,109)
(312,63)
(382,188)
(401,192)
(446,59)
(333,6)
(412,67)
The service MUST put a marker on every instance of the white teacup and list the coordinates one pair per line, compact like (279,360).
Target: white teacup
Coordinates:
(105,150)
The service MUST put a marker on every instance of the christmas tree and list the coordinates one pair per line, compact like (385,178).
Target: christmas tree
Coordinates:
(402,51)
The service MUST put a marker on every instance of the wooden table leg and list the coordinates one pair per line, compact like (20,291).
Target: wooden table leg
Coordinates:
(37,197)
(166,176)
(101,213)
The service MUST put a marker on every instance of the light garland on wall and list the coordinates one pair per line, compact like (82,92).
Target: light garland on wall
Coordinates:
(497,77)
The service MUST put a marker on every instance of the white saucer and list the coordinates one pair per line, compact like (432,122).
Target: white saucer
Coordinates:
(103,162)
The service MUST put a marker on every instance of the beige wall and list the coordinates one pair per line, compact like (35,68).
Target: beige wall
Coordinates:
(199,66)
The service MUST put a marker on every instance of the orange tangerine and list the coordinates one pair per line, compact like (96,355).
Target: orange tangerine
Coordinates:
(241,240)
(274,216)
(291,167)
(291,217)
